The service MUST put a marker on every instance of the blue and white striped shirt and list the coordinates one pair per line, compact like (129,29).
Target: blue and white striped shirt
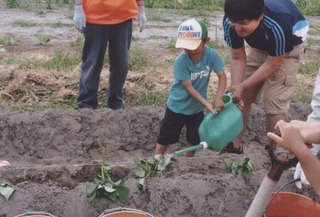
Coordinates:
(282,27)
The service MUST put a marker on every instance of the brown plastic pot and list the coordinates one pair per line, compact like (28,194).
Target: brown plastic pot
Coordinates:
(288,204)
(35,214)
(124,212)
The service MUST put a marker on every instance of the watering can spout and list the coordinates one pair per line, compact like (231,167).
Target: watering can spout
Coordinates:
(202,145)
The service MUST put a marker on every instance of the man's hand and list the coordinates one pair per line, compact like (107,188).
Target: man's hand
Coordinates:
(142,17)
(237,92)
(79,17)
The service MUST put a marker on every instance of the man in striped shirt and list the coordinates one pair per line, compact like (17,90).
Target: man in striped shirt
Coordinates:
(266,39)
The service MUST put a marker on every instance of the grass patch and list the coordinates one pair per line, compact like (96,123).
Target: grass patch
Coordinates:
(20,106)
(59,61)
(143,97)
(302,93)
(12,3)
(139,59)
(57,24)
(43,39)
(11,61)
(156,14)
(310,68)
(6,40)
(77,43)
(24,23)
(172,44)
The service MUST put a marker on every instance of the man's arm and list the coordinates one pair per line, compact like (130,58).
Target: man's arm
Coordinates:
(263,72)
(238,65)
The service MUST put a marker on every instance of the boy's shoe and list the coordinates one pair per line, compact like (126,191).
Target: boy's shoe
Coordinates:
(230,149)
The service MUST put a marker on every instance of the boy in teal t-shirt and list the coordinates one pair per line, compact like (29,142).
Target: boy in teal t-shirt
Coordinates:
(188,94)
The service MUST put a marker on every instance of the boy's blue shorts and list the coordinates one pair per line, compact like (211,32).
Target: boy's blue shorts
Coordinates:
(172,124)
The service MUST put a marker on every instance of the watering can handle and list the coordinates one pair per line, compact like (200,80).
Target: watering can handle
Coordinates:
(230,93)
(215,111)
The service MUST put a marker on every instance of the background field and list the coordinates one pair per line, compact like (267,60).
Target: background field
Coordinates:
(54,149)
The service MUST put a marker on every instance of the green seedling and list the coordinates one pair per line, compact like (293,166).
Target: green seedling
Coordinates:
(6,190)
(104,186)
(245,168)
(23,179)
(44,39)
(150,168)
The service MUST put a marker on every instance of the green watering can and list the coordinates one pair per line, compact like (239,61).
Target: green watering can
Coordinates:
(219,128)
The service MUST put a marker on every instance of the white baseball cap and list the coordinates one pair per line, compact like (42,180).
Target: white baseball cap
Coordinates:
(190,34)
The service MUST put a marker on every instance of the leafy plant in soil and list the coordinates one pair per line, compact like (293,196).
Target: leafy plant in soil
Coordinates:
(6,190)
(104,186)
(150,168)
(245,167)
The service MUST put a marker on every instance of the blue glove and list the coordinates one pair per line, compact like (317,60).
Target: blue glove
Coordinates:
(79,17)
(142,17)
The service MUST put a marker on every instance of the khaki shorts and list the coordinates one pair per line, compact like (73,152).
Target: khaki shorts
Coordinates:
(277,89)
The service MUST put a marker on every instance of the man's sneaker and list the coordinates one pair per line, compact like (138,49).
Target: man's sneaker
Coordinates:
(230,149)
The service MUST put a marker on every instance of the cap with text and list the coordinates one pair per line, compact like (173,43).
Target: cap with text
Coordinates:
(190,34)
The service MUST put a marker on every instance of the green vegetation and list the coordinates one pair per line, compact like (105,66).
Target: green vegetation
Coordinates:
(12,3)
(205,7)
(185,4)
(103,184)
(308,7)
(148,66)
(245,167)
(138,59)
(6,190)
(150,168)
(156,14)
(310,68)
(6,40)
(24,23)
(142,97)
(77,43)
(58,61)
(44,39)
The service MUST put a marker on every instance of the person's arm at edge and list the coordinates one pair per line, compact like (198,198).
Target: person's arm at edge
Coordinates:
(78,1)
(309,131)
(310,165)
(292,140)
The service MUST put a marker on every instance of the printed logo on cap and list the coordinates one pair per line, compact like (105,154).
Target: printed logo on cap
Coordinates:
(190,29)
